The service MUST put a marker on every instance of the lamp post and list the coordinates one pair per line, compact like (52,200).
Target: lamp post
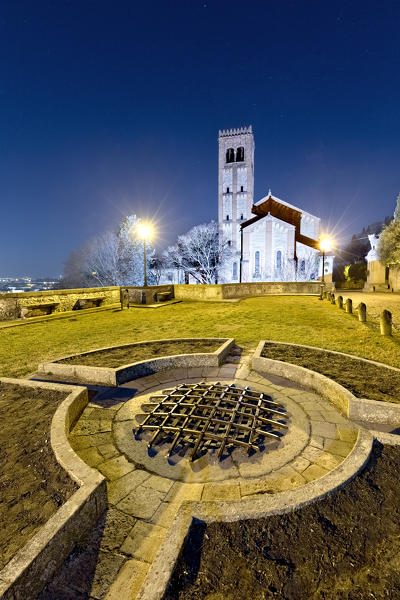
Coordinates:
(145,231)
(325,244)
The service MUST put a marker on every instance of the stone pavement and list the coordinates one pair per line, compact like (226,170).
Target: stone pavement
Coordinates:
(144,496)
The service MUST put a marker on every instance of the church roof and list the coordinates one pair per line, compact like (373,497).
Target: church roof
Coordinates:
(269,195)
(270,205)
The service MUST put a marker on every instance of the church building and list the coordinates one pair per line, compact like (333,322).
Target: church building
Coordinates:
(271,240)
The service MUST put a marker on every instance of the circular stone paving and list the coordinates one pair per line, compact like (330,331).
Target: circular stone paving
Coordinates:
(145,487)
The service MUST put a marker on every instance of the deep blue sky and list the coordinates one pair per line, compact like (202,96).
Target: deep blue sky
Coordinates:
(113,108)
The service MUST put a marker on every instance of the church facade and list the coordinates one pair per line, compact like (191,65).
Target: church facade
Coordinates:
(270,240)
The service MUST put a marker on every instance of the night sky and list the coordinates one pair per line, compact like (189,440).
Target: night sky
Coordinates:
(113,108)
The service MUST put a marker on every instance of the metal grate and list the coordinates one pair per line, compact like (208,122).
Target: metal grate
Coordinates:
(202,416)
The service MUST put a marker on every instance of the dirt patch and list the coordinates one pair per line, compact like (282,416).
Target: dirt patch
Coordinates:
(125,355)
(346,546)
(32,483)
(362,379)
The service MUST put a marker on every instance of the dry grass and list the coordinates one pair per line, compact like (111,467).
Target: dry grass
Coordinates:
(302,320)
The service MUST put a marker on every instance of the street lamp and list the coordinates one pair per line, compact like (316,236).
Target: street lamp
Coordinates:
(325,245)
(145,231)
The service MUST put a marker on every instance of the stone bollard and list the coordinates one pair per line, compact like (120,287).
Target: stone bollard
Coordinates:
(340,302)
(386,322)
(333,301)
(349,306)
(362,312)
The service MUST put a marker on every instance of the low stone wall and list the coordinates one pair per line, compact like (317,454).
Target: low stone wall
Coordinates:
(13,306)
(198,292)
(150,294)
(245,290)
(109,376)
(356,409)
(9,307)
(265,288)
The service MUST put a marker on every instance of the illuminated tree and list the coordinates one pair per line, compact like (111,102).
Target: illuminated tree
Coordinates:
(201,253)
(113,258)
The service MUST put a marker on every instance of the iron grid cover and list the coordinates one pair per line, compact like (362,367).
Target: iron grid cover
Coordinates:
(202,416)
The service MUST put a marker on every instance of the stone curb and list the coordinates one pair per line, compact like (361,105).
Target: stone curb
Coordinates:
(35,564)
(357,409)
(162,567)
(108,376)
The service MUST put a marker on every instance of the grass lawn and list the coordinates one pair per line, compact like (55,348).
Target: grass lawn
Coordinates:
(301,319)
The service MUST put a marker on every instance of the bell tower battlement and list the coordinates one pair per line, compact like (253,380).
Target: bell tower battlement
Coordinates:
(235,181)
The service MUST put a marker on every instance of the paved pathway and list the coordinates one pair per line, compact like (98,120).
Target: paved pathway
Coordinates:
(375,302)
(142,503)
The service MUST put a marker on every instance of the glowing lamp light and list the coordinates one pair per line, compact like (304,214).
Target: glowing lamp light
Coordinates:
(145,231)
(325,244)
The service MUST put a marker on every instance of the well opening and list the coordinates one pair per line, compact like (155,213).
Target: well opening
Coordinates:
(192,419)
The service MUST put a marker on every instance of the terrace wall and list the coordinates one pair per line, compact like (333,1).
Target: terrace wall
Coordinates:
(12,305)
(244,290)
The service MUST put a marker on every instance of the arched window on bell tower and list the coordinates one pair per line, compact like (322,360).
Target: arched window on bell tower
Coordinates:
(230,155)
(240,154)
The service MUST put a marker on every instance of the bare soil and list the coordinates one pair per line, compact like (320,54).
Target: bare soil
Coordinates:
(362,379)
(32,483)
(124,355)
(344,547)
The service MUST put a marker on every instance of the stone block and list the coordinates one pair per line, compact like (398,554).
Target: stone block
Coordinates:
(108,451)
(339,447)
(328,461)
(311,453)
(327,430)
(314,472)
(129,580)
(91,456)
(144,541)
(300,464)
(165,513)
(142,502)
(214,492)
(80,442)
(116,467)
(181,492)
(99,439)
(161,484)
(119,488)
(112,529)
(347,435)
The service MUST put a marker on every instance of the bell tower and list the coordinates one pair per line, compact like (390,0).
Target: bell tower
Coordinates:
(235,187)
